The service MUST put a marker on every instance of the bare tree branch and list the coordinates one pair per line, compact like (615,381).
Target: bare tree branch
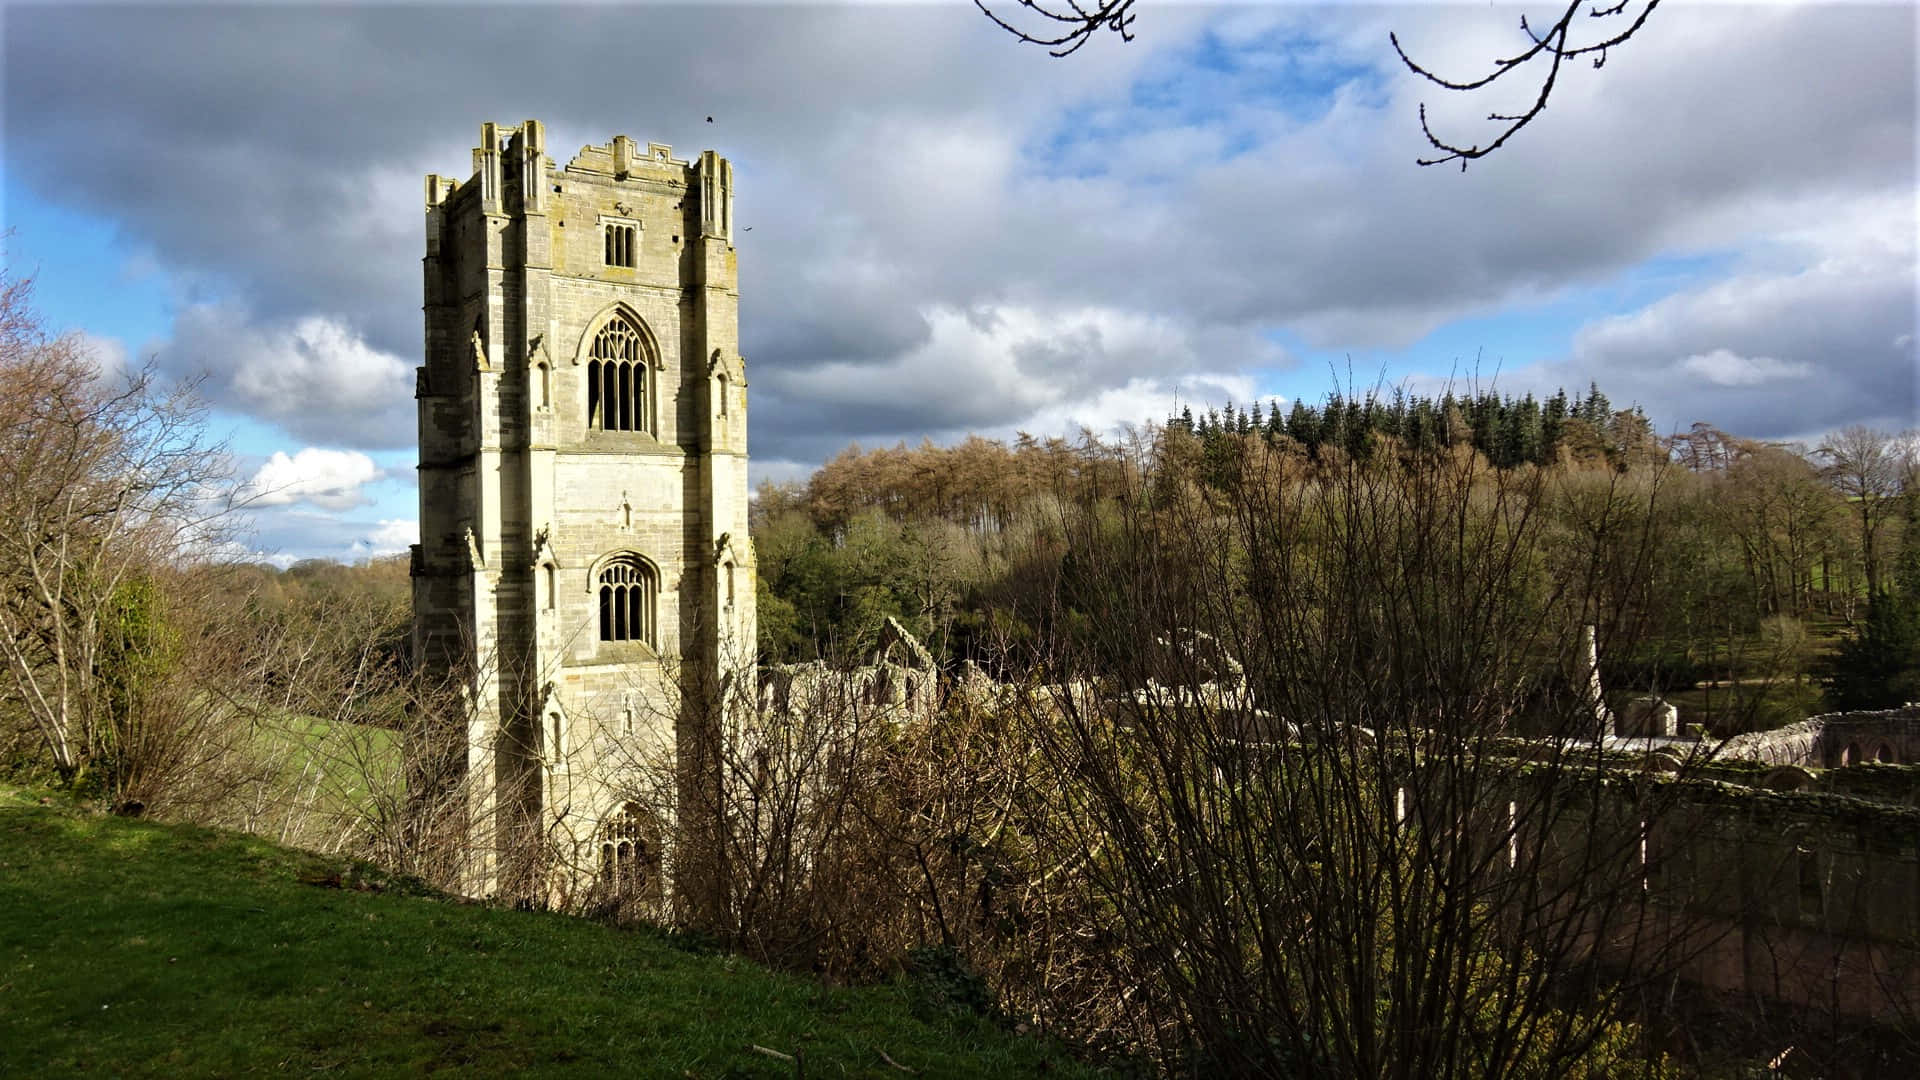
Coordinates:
(1555,46)
(1063,27)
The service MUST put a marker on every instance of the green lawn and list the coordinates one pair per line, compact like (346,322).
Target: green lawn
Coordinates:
(333,764)
(133,948)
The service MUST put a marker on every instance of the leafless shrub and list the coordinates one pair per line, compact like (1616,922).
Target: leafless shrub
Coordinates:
(1383,847)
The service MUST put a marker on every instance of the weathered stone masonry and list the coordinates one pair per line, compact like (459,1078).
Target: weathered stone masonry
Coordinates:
(583,474)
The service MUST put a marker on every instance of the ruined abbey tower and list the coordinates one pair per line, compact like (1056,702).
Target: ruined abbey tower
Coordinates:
(583,564)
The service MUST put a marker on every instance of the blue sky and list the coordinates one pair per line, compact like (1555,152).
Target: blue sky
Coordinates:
(956,233)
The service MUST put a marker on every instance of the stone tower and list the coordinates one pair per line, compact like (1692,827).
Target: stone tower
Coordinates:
(583,567)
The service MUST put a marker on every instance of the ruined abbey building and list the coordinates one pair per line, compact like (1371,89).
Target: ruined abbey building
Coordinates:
(583,562)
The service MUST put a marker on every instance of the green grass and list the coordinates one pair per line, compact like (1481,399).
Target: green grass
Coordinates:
(141,949)
(351,759)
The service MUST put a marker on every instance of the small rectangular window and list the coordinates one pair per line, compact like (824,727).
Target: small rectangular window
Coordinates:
(620,243)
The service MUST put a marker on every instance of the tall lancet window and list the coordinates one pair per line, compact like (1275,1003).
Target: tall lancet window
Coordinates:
(617,379)
(628,592)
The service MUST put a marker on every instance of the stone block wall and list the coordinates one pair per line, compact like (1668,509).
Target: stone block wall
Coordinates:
(525,500)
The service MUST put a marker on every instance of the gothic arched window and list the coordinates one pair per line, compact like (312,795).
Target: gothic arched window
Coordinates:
(629,853)
(617,379)
(628,590)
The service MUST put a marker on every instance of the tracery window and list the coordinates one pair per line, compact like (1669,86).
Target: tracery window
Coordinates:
(628,857)
(628,592)
(617,379)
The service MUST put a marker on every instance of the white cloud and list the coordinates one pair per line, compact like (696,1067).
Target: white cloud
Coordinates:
(1140,401)
(283,535)
(1723,367)
(314,375)
(390,537)
(109,354)
(330,479)
(1822,300)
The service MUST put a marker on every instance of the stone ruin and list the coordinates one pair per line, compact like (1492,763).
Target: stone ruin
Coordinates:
(898,680)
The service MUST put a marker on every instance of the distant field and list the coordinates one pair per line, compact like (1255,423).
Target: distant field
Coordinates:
(138,949)
(331,766)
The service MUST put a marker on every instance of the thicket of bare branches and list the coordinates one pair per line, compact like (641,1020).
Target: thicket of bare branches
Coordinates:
(361,753)
(1301,779)
(109,492)
(1337,859)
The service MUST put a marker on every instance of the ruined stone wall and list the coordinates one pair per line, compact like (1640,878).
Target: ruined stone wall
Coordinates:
(1805,899)
(1834,739)
(1801,898)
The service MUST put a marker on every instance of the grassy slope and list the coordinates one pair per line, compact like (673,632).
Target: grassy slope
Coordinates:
(134,948)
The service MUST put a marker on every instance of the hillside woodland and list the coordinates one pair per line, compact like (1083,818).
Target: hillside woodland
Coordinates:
(1780,579)
(1267,748)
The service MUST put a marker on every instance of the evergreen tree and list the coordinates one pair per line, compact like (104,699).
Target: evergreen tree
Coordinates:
(1553,421)
(1333,422)
(1879,667)
(1417,429)
(1390,419)
(1483,419)
(1302,425)
(1596,409)
(1519,433)
(1358,428)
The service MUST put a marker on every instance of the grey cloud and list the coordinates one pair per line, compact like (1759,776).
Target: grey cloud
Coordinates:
(1768,356)
(896,163)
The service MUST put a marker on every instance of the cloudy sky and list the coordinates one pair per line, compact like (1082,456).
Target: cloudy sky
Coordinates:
(953,232)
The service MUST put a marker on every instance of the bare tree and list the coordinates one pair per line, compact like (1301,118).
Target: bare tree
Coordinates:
(1865,466)
(103,479)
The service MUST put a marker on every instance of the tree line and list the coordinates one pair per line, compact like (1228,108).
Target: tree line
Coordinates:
(1507,431)
(1790,562)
